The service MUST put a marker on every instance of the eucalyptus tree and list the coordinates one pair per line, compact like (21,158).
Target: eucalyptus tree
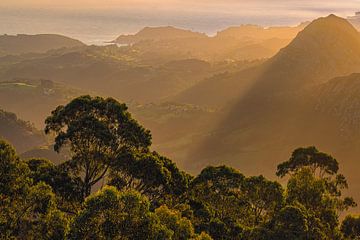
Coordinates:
(315,184)
(28,210)
(98,131)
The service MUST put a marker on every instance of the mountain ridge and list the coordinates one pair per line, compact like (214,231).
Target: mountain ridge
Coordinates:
(39,43)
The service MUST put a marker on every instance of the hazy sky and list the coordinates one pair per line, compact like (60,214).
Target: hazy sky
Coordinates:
(104,19)
(302,7)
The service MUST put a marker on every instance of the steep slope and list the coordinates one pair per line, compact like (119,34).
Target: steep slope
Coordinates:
(340,99)
(274,114)
(19,133)
(19,44)
(326,48)
(221,89)
(293,103)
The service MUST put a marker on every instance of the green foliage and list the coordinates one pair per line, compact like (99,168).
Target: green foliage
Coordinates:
(148,197)
(148,173)
(227,204)
(27,210)
(111,214)
(180,227)
(98,131)
(316,185)
(290,223)
(350,227)
(264,198)
(309,157)
(67,188)
(13,173)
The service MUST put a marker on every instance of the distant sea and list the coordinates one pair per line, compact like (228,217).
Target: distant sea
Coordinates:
(98,27)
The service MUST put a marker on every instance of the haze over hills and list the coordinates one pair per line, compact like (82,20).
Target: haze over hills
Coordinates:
(291,101)
(180,131)
(309,60)
(212,100)
(117,72)
(41,43)
(255,32)
(326,48)
(20,133)
(28,96)
(157,34)
(246,42)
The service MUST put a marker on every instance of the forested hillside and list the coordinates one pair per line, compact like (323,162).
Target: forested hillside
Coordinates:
(234,122)
(144,195)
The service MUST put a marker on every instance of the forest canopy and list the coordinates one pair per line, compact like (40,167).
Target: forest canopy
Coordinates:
(113,186)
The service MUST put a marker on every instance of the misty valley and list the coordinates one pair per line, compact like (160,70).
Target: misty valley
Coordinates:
(252,133)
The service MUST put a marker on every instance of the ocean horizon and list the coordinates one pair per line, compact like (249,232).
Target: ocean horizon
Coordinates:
(98,27)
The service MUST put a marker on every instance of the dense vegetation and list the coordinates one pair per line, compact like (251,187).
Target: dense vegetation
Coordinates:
(114,187)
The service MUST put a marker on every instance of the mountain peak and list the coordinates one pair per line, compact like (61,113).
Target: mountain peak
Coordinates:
(328,47)
(331,21)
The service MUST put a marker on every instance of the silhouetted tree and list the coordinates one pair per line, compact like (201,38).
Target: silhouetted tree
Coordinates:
(97,131)
(350,227)
(150,174)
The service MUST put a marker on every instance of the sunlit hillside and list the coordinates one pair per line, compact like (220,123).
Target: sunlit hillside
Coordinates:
(179,120)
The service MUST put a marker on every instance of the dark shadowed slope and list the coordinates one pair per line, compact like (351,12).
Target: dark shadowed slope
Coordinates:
(34,99)
(294,103)
(326,48)
(19,44)
(19,133)
(278,112)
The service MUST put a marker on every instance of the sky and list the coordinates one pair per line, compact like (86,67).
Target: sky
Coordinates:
(105,19)
(304,7)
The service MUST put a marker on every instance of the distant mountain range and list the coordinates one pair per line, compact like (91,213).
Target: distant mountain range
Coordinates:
(327,48)
(307,94)
(246,97)
(158,33)
(237,43)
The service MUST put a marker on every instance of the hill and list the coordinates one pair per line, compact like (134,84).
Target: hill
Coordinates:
(115,71)
(156,34)
(45,152)
(256,32)
(340,98)
(326,48)
(34,99)
(19,133)
(235,43)
(291,101)
(41,43)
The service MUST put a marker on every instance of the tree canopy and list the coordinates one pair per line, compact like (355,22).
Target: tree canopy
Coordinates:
(98,131)
(114,186)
